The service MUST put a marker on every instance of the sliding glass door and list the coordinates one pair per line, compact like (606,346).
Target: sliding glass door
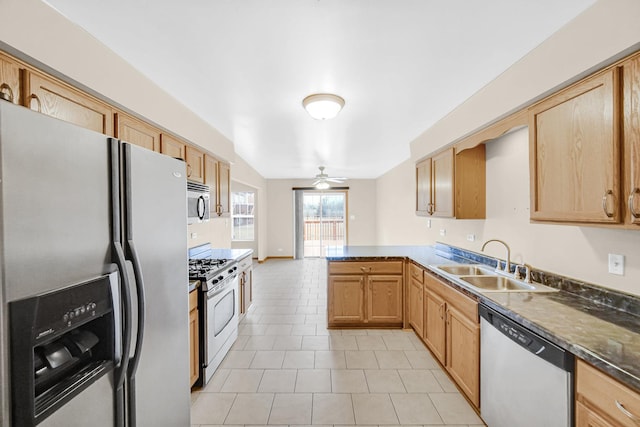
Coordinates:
(324,221)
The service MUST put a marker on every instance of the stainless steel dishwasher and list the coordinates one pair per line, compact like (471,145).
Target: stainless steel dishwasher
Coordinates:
(525,380)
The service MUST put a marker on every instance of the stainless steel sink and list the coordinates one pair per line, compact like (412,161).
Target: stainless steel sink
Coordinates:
(503,284)
(465,270)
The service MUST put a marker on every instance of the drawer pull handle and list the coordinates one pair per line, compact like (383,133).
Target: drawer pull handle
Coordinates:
(32,97)
(9,96)
(604,203)
(632,196)
(626,412)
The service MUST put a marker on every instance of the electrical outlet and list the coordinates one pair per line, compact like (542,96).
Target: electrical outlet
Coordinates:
(194,235)
(471,237)
(443,232)
(616,264)
(428,223)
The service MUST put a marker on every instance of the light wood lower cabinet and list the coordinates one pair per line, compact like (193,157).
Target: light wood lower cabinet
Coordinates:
(245,282)
(365,293)
(603,401)
(434,329)
(452,333)
(416,306)
(194,340)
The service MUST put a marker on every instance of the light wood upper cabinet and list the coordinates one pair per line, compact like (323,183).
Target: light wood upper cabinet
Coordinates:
(602,401)
(195,165)
(172,147)
(10,80)
(137,132)
(631,140)
(442,195)
(57,99)
(423,187)
(365,293)
(224,189)
(452,185)
(575,153)
(217,175)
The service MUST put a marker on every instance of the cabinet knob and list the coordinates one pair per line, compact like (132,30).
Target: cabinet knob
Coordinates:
(632,197)
(604,203)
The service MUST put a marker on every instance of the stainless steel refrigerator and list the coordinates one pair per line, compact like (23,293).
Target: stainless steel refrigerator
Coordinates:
(78,208)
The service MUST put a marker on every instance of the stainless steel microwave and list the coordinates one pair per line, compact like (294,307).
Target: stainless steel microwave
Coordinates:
(197,202)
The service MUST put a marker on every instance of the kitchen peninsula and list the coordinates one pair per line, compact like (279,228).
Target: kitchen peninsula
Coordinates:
(597,325)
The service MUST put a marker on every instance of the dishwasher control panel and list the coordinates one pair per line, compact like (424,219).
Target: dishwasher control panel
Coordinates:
(528,339)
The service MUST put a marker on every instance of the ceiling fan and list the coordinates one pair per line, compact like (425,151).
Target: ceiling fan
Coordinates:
(322,180)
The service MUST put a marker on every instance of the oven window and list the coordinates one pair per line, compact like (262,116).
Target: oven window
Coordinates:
(224,311)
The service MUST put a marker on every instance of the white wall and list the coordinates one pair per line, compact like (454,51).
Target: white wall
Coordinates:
(578,252)
(39,31)
(361,206)
(601,32)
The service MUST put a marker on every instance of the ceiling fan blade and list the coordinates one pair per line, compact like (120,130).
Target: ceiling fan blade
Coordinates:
(317,181)
(338,180)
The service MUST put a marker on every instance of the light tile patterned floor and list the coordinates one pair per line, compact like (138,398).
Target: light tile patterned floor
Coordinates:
(286,368)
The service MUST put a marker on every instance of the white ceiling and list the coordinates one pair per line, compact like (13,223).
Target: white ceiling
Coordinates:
(244,66)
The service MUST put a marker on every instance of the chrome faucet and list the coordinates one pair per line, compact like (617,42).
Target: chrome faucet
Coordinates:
(507,266)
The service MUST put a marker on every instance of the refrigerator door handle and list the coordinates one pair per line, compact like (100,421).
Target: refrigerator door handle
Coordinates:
(139,281)
(121,371)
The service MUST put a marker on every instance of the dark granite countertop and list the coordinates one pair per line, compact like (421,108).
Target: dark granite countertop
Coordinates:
(601,335)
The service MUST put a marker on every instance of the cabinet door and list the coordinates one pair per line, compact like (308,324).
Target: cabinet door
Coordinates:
(434,328)
(194,339)
(224,189)
(631,129)
(574,153)
(346,299)
(442,166)
(384,299)
(137,132)
(59,100)
(195,165)
(10,80)
(463,353)
(211,165)
(172,147)
(416,306)
(423,187)
(585,417)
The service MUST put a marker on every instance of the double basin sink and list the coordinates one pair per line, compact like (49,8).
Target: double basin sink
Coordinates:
(483,279)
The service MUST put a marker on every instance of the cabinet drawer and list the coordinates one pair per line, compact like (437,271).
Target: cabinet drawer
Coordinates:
(373,267)
(193,300)
(465,305)
(601,391)
(417,273)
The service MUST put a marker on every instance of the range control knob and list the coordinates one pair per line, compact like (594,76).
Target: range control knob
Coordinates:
(220,277)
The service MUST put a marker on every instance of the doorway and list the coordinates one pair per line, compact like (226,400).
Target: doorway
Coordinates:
(324,221)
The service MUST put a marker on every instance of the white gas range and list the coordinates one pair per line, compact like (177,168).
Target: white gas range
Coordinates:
(218,299)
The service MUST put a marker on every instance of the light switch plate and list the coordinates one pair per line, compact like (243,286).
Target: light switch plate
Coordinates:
(443,232)
(471,237)
(616,264)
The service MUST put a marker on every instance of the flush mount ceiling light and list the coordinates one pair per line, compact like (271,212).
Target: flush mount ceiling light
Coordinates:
(323,106)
